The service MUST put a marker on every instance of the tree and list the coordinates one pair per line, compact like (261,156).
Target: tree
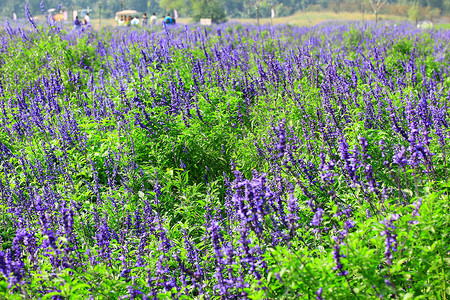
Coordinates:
(212,9)
(256,4)
(234,8)
(413,14)
(376,6)
(182,6)
(153,6)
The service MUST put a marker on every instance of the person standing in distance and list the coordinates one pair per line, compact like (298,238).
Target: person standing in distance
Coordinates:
(153,19)
(87,20)
(144,20)
(135,21)
(168,19)
(77,24)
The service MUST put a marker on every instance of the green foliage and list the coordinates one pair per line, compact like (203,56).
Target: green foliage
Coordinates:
(211,9)
(417,271)
(173,164)
(169,5)
(414,13)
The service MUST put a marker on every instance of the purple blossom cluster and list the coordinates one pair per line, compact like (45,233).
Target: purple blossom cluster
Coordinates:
(391,238)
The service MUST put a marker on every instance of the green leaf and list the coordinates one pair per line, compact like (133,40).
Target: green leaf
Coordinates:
(80,286)
(49,295)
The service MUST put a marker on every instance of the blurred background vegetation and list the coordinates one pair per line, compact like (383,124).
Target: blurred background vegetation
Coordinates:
(221,10)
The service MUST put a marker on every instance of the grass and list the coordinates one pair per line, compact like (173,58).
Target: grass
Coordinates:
(443,26)
(314,18)
(298,19)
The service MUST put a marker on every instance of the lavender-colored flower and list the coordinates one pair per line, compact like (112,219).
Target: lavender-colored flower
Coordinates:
(319,294)
(399,157)
(415,212)
(281,139)
(337,258)
(30,16)
(317,218)
(182,165)
(391,238)
(382,144)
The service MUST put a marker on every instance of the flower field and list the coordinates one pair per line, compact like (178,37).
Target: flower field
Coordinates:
(227,162)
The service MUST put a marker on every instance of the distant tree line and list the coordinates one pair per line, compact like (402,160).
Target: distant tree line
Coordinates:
(219,10)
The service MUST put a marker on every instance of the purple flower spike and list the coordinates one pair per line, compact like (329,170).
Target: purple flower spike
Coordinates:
(319,294)
(391,238)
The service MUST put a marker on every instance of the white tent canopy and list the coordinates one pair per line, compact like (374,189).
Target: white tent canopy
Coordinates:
(126,12)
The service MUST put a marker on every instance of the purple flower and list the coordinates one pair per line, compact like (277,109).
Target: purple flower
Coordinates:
(399,157)
(281,139)
(337,258)
(317,218)
(319,294)
(182,165)
(30,16)
(415,212)
(391,238)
